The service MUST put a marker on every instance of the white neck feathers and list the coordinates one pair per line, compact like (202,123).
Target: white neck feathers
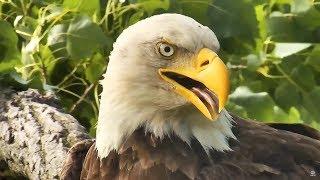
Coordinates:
(121,113)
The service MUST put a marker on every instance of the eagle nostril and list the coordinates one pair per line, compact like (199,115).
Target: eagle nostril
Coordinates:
(204,63)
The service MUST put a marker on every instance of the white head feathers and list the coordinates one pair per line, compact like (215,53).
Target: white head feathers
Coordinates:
(134,95)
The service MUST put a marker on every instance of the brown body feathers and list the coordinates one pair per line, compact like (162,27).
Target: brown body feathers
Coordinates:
(260,152)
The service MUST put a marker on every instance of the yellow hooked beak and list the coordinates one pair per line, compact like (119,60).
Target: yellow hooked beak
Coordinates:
(205,84)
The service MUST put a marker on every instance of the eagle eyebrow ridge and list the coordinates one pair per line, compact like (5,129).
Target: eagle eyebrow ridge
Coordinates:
(155,40)
(166,40)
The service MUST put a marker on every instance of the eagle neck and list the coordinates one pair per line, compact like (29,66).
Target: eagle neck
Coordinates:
(121,114)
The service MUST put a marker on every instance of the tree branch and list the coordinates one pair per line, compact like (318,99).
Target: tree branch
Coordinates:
(35,134)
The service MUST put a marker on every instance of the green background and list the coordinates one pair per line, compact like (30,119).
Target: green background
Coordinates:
(271,48)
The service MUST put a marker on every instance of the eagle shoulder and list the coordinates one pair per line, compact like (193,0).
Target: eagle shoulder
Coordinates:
(143,157)
(72,166)
(297,128)
(260,152)
(270,151)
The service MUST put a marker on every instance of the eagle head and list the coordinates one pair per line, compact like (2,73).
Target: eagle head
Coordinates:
(164,74)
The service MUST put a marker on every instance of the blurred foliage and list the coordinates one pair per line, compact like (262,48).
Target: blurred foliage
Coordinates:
(271,47)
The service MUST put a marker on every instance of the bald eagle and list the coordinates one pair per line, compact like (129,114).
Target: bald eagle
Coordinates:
(162,116)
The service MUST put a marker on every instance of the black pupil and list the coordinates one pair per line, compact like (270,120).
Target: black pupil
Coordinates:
(167,49)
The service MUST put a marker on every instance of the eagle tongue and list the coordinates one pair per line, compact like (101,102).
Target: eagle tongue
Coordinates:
(208,98)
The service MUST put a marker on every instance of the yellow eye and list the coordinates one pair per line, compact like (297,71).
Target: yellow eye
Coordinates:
(166,50)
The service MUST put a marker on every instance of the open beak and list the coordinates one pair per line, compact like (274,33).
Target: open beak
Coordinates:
(205,84)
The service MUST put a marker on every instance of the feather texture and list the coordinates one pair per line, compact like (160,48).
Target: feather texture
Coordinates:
(260,152)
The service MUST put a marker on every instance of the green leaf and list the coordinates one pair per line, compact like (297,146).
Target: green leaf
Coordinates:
(284,28)
(287,95)
(36,81)
(57,40)
(53,12)
(150,6)
(282,50)
(316,5)
(84,37)
(304,77)
(8,66)
(298,6)
(25,26)
(314,58)
(234,19)
(17,77)
(48,60)
(315,94)
(309,20)
(9,54)
(91,8)
(135,17)
(95,68)
(57,34)
(311,102)
(196,9)
(8,37)
(239,110)
(294,116)
(279,115)
(258,105)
